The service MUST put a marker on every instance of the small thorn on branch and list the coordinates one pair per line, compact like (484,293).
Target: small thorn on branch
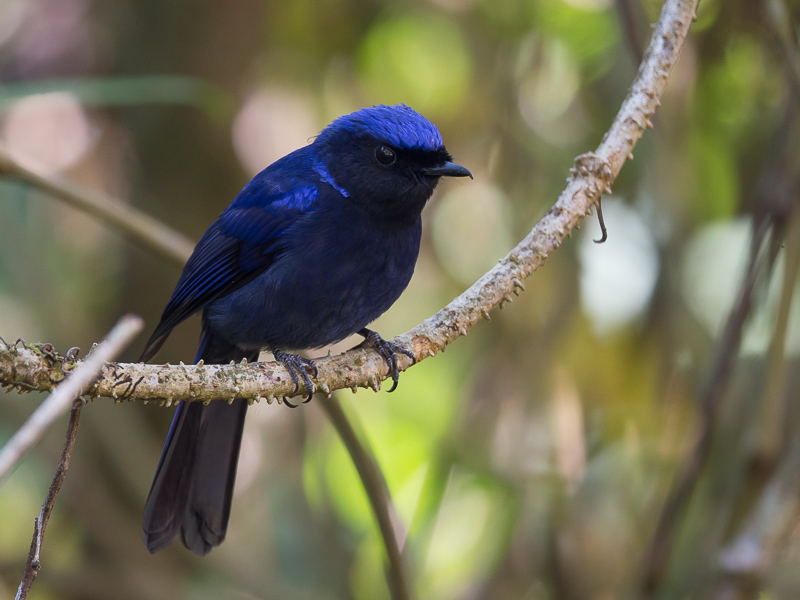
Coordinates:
(374,384)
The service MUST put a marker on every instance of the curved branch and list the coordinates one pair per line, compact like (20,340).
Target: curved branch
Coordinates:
(37,368)
(148,231)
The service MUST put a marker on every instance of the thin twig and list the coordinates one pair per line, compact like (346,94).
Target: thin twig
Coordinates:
(662,541)
(772,433)
(770,524)
(33,564)
(592,177)
(34,428)
(378,494)
(775,215)
(781,33)
(64,395)
(143,228)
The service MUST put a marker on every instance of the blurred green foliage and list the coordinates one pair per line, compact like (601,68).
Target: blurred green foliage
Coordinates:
(422,61)
(532,460)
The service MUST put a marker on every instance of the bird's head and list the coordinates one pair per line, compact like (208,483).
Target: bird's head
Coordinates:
(386,158)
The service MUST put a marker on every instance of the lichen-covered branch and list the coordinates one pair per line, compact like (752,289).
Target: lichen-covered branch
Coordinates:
(60,401)
(44,416)
(37,367)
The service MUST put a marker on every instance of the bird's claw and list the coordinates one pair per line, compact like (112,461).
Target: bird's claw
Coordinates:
(389,352)
(298,365)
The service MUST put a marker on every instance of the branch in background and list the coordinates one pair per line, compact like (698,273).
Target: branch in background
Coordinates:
(781,32)
(33,564)
(134,90)
(60,401)
(377,490)
(657,557)
(29,368)
(143,228)
(775,217)
(629,22)
(779,188)
(772,431)
(774,212)
(769,526)
(44,416)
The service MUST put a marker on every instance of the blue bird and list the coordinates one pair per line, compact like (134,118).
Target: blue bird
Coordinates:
(313,249)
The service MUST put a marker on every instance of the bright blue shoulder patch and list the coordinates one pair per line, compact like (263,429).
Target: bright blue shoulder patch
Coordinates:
(399,126)
(321,170)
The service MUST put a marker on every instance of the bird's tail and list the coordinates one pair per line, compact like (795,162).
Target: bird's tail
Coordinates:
(193,484)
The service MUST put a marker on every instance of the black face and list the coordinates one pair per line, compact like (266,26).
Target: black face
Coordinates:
(423,160)
(392,184)
(405,185)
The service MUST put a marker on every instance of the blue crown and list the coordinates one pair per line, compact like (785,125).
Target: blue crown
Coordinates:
(400,126)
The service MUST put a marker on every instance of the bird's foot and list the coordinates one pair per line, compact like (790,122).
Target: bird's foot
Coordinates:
(388,351)
(298,367)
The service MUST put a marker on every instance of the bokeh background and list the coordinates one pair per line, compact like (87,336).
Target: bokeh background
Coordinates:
(533,459)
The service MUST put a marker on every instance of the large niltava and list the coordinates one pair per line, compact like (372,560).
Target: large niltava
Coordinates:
(313,249)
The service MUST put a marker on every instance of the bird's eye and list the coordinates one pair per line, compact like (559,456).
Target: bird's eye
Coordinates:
(385,155)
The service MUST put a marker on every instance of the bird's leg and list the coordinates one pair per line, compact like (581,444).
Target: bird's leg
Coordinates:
(388,351)
(297,365)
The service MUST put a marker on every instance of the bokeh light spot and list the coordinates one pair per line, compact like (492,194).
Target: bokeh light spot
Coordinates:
(271,123)
(479,215)
(48,132)
(420,61)
(547,95)
(618,277)
(712,269)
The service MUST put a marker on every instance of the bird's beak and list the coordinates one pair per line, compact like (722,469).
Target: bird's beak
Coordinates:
(448,169)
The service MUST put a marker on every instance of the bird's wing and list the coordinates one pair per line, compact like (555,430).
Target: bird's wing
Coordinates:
(240,245)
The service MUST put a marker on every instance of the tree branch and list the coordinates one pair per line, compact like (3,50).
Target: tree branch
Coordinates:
(37,368)
(379,497)
(33,564)
(143,228)
(44,416)
(61,400)
(656,559)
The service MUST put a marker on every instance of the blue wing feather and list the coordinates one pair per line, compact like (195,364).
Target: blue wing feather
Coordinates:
(240,245)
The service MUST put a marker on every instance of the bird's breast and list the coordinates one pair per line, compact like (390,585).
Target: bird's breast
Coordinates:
(335,277)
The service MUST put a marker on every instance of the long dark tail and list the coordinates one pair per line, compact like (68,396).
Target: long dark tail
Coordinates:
(193,484)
